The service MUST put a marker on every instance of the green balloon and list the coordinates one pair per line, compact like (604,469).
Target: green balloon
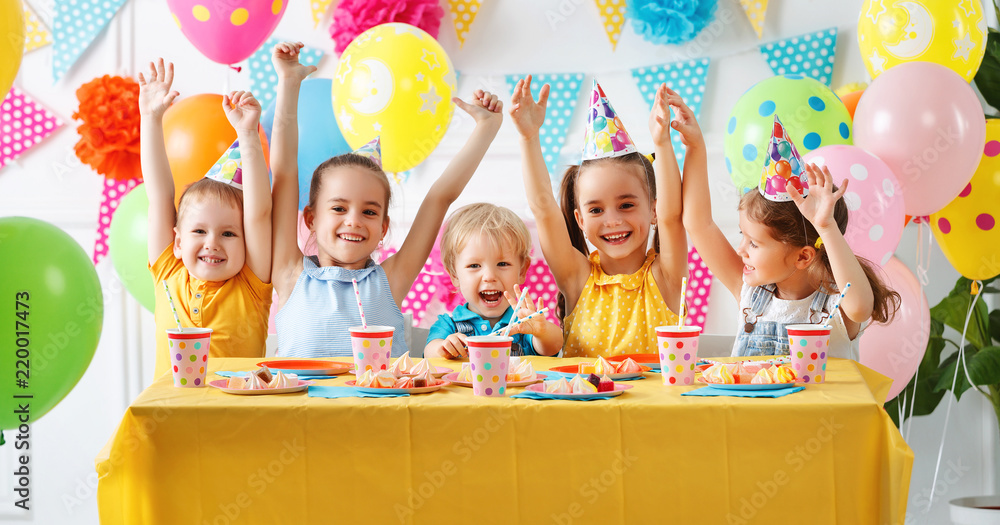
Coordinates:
(52,310)
(127,240)
(811,113)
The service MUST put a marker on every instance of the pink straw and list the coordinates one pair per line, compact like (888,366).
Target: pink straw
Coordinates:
(361,309)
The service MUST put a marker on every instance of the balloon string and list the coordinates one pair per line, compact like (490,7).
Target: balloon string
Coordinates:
(922,253)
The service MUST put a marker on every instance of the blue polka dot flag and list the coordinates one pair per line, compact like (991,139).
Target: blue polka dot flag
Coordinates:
(75,26)
(263,78)
(686,78)
(810,54)
(564,90)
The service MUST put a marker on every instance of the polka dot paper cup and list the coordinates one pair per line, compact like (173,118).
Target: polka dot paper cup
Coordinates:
(189,355)
(372,347)
(808,345)
(489,356)
(678,349)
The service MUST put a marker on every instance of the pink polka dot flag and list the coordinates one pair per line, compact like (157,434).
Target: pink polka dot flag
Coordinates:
(114,190)
(23,124)
(699,287)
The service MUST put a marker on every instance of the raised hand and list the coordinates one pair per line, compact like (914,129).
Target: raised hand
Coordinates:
(242,110)
(818,206)
(529,306)
(684,121)
(659,119)
(285,58)
(527,113)
(155,95)
(485,107)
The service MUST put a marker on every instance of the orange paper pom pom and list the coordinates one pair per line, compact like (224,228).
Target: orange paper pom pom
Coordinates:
(109,135)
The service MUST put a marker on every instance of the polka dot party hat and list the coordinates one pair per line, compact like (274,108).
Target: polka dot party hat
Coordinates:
(229,168)
(372,150)
(605,136)
(782,167)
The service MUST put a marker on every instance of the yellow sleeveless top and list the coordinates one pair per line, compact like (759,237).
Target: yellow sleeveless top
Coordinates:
(616,314)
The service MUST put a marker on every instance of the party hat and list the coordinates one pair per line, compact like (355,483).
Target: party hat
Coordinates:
(783,167)
(372,150)
(606,137)
(229,168)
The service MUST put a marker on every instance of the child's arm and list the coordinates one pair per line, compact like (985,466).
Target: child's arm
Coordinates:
(287,257)
(243,112)
(672,260)
(569,267)
(817,208)
(547,338)
(706,236)
(402,268)
(155,97)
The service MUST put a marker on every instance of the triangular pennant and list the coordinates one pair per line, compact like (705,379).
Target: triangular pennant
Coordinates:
(114,190)
(263,78)
(686,78)
(319,8)
(612,18)
(810,54)
(77,23)
(36,35)
(463,14)
(755,11)
(564,90)
(698,291)
(24,123)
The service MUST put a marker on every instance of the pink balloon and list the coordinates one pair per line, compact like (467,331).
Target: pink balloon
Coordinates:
(925,122)
(876,212)
(227,32)
(895,349)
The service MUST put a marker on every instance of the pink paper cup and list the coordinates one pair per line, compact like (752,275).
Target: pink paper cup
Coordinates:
(808,344)
(372,348)
(678,349)
(188,349)
(489,356)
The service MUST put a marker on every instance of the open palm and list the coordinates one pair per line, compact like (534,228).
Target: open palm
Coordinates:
(818,206)
(528,114)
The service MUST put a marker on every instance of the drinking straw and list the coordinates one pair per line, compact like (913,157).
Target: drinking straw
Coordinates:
(683,303)
(543,311)
(836,305)
(361,309)
(517,307)
(170,300)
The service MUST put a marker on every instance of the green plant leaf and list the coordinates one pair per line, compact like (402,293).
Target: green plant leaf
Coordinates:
(984,367)
(948,367)
(953,309)
(927,377)
(988,77)
(995,324)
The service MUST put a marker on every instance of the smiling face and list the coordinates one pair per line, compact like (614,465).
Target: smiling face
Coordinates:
(349,217)
(766,260)
(209,239)
(484,270)
(615,210)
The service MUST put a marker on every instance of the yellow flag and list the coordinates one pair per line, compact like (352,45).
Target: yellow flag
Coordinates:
(464,12)
(612,18)
(319,8)
(36,34)
(755,10)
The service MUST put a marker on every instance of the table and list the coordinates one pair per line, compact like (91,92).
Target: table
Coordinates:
(829,454)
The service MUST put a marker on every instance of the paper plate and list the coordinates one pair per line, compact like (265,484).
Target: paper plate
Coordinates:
(453,378)
(307,367)
(650,360)
(438,371)
(221,385)
(540,390)
(751,386)
(424,390)
(575,369)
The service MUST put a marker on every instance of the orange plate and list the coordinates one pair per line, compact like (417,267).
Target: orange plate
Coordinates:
(307,366)
(638,358)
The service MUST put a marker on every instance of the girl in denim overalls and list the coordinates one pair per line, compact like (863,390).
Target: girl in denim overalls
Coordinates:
(792,260)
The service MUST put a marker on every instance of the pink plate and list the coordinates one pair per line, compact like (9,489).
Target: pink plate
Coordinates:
(221,385)
(749,386)
(540,390)
(453,377)
(424,390)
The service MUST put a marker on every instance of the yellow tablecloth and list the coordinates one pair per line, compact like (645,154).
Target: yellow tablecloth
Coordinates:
(827,455)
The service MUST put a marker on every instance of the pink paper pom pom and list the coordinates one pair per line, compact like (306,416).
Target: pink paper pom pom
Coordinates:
(353,17)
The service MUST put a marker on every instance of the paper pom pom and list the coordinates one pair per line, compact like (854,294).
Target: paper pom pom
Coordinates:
(353,17)
(109,135)
(670,21)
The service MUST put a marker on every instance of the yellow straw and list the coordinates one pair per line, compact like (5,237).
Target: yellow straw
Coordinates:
(683,303)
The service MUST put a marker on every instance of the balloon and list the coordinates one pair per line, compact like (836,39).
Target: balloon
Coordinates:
(927,125)
(196,133)
(227,32)
(850,101)
(811,113)
(127,242)
(319,136)
(396,81)
(53,310)
(12,45)
(874,200)
(952,34)
(895,349)
(967,227)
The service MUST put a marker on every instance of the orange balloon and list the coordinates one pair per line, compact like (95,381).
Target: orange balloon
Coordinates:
(783,168)
(196,133)
(908,217)
(851,101)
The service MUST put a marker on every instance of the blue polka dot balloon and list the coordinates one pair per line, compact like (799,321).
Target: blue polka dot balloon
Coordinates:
(811,113)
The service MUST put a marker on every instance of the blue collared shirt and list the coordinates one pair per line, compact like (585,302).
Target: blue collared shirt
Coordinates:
(470,323)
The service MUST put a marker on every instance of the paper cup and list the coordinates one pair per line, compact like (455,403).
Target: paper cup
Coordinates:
(188,350)
(808,344)
(372,348)
(490,357)
(678,349)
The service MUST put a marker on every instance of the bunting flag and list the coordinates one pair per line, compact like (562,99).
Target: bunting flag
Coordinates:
(698,290)
(810,54)
(23,124)
(686,78)
(77,23)
(463,14)
(36,35)
(263,78)
(319,8)
(114,190)
(613,18)
(564,90)
(755,11)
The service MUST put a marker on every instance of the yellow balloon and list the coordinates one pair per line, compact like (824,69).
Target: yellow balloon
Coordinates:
(12,43)
(396,81)
(947,32)
(967,228)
